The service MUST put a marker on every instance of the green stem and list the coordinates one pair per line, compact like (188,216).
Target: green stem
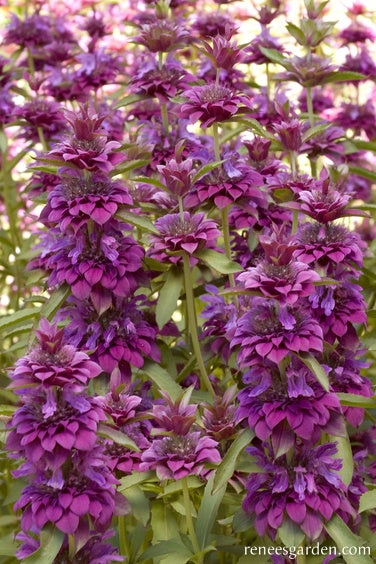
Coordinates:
(42,139)
(188,517)
(227,240)
(267,71)
(71,547)
(311,115)
(293,163)
(181,209)
(164,115)
(192,324)
(217,156)
(217,75)
(123,539)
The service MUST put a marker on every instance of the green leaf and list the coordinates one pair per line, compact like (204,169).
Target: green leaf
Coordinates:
(8,545)
(51,540)
(137,220)
(205,170)
(161,378)
(140,504)
(164,527)
(176,487)
(19,316)
(290,533)
(218,261)
(274,56)
(172,547)
(168,296)
(314,131)
(344,452)
(207,512)
(134,479)
(254,125)
(316,369)
(130,165)
(366,145)
(354,400)
(118,437)
(344,538)
(296,32)
(367,501)
(227,467)
(341,76)
(54,303)
(363,172)
(147,180)
(127,100)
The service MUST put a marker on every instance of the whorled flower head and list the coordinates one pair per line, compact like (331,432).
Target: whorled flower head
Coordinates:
(359,118)
(272,332)
(177,175)
(46,437)
(52,363)
(188,234)
(285,281)
(329,245)
(97,265)
(43,114)
(96,69)
(79,197)
(219,418)
(217,314)
(177,456)
(309,70)
(212,24)
(162,82)
(209,104)
(283,408)
(356,32)
(162,36)
(75,504)
(174,417)
(120,336)
(33,31)
(225,185)
(306,490)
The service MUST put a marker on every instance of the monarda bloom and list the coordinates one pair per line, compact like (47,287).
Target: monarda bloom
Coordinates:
(212,24)
(33,31)
(162,36)
(226,185)
(177,456)
(43,114)
(209,104)
(46,438)
(272,332)
(163,82)
(89,147)
(305,490)
(97,550)
(356,32)
(81,197)
(52,363)
(177,175)
(286,281)
(97,69)
(281,408)
(174,417)
(178,235)
(217,314)
(328,245)
(97,265)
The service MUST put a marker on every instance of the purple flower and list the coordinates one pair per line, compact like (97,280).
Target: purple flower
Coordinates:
(97,69)
(209,104)
(46,437)
(163,35)
(43,114)
(80,197)
(52,363)
(177,456)
(219,419)
(187,234)
(272,332)
(359,118)
(96,551)
(280,407)
(34,31)
(217,315)
(82,500)
(120,334)
(177,175)
(162,82)
(329,245)
(97,265)
(309,70)
(290,134)
(174,417)
(226,185)
(212,24)
(356,32)
(286,282)
(306,490)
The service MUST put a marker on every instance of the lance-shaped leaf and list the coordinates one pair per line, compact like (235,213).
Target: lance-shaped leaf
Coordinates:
(227,467)
(168,296)
(218,261)
(316,369)
(345,538)
(51,540)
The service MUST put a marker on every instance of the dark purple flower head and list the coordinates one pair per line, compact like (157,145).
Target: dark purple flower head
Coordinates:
(224,53)
(306,490)
(119,333)
(356,32)
(283,408)
(97,265)
(272,332)
(253,53)
(43,114)
(80,197)
(209,104)
(83,500)
(290,134)
(219,418)
(52,363)
(227,184)
(329,245)
(268,12)
(361,62)
(359,118)
(217,315)
(163,36)
(176,457)
(177,175)
(212,24)
(97,550)
(46,437)
(174,417)
(183,235)
(328,143)
(163,82)
(120,406)
(96,69)
(33,31)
